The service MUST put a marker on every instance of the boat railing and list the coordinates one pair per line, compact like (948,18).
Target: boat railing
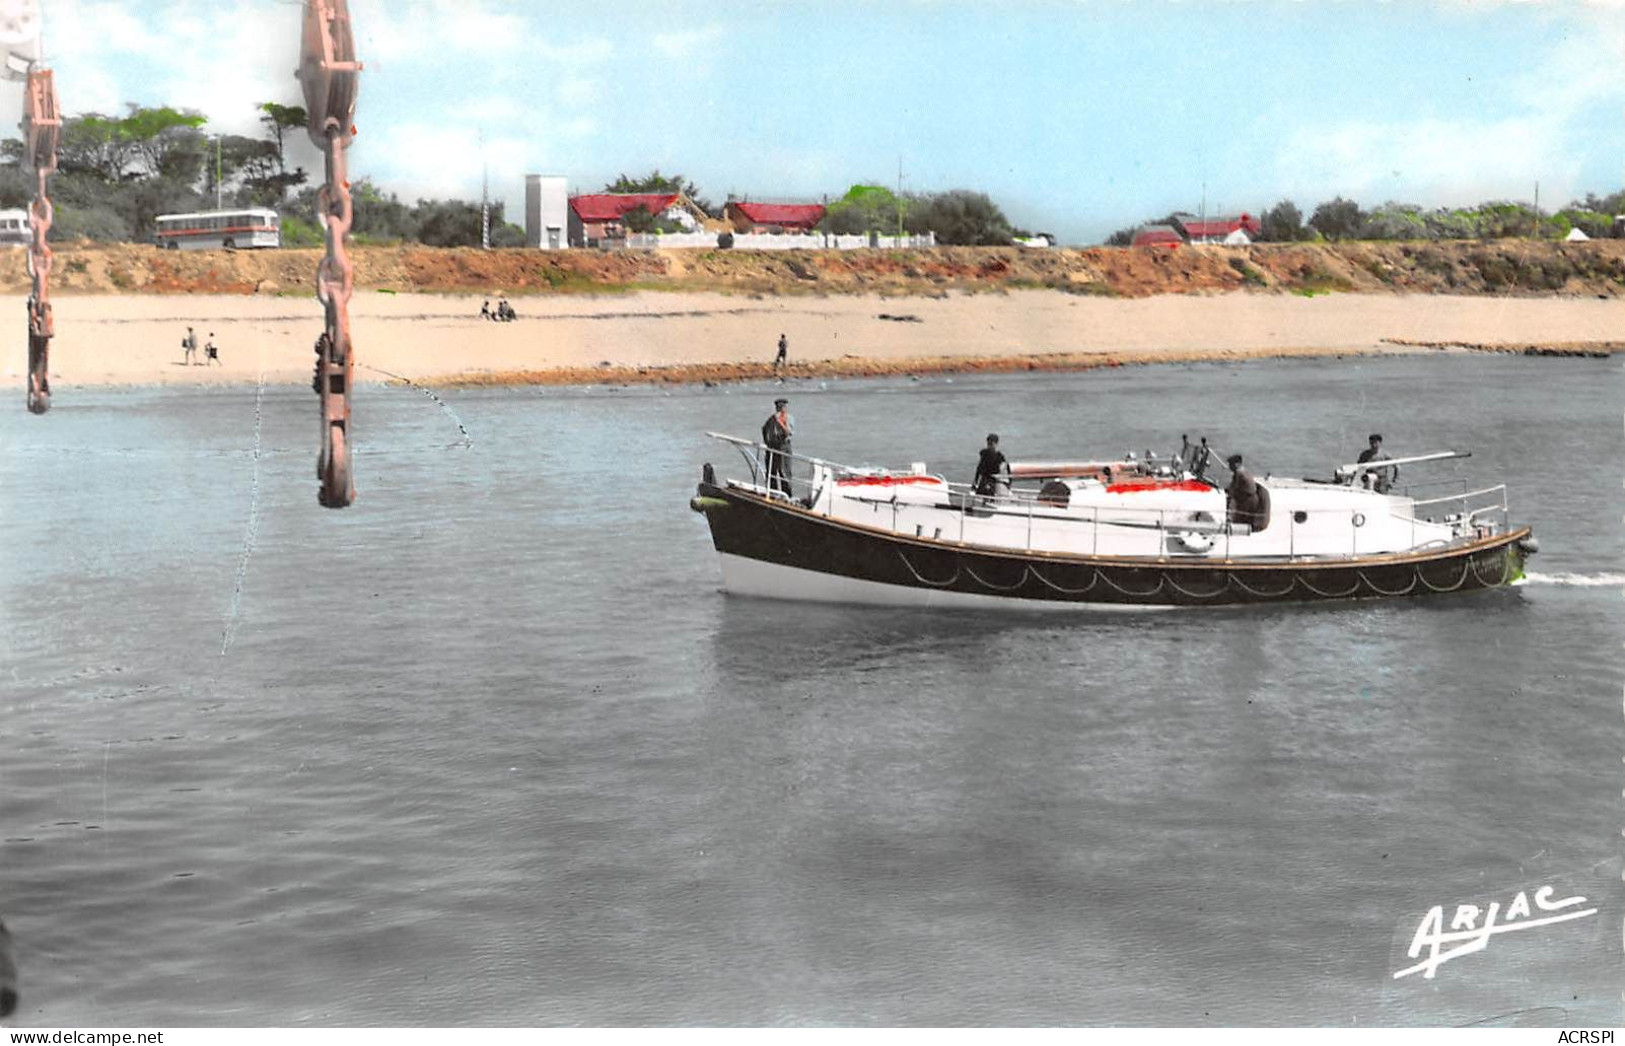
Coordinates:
(1476,511)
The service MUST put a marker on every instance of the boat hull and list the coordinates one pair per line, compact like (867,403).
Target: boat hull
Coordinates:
(771,548)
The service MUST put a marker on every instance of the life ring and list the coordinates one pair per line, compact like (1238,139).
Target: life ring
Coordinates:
(1195,540)
(1359,519)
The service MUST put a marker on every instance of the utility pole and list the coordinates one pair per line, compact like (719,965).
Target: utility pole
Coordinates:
(899,199)
(1537,210)
(485,198)
(218,189)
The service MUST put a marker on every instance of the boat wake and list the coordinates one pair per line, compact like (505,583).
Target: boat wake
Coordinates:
(1577,580)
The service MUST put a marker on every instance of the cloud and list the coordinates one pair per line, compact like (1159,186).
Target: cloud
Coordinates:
(686,42)
(427,30)
(579,90)
(1425,161)
(1533,132)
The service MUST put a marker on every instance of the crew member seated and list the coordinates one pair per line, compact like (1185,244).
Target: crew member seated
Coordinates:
(1246,501)
(1378,479)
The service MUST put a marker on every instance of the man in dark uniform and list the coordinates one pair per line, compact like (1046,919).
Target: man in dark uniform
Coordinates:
(776,438)
(989,467)
(1381,479)
(1242,494)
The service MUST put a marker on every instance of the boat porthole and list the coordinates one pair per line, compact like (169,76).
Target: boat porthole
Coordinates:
(1359,519)
(1300,516)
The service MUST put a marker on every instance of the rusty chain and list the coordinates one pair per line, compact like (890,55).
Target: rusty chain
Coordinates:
(42,127)
(330,76)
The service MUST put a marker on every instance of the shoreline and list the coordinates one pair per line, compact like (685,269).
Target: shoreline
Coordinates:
(656,338)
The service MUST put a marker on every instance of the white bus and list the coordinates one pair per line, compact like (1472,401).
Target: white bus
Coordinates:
(14,229)
(206,230)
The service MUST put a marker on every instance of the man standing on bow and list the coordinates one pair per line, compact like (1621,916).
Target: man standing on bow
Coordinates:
(776,432)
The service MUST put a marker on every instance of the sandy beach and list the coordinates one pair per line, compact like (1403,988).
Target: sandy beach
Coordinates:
(651,336)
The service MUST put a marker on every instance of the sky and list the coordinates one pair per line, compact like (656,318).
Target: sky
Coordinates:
(1077,118)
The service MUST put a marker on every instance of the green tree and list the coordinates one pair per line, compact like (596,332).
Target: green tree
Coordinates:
(153,134)
(278,121)
(865,208)
(453,223)
(961,217)
(655,182)
(1396,221)
(95,144)
(379,217)
(1282,223)
(1338,219)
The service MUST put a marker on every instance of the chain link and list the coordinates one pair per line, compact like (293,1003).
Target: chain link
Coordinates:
(41,129)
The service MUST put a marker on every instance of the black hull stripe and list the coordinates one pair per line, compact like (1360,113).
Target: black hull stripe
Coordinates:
(753,527)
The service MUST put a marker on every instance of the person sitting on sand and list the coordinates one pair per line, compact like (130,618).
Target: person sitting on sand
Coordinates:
(485,310)
(505,311)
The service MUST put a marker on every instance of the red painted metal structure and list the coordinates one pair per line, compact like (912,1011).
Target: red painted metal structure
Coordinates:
(331,76)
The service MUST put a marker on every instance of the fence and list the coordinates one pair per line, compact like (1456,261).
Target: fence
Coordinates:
(757,241)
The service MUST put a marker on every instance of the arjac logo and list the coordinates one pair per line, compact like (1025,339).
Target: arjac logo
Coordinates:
(1471,927)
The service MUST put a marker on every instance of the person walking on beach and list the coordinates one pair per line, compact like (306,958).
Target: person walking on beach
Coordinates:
(189,344)
(1381,479)
(990,467)
(210,353)
(776,432)
(784,353)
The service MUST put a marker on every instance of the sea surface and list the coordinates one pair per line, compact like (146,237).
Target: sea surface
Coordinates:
(491,748)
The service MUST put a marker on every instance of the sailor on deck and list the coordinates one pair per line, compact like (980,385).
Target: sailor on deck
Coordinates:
(1245,501)
(776,431)
(991,468)
(1382,478)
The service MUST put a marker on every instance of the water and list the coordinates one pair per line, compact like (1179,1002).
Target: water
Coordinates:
(491,748)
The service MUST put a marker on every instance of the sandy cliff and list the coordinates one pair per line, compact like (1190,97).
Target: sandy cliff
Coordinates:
(1507,267)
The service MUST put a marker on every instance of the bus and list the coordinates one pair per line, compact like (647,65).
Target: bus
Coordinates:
(15,230)
(211,230)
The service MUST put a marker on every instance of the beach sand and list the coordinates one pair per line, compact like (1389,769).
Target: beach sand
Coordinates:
(649,336)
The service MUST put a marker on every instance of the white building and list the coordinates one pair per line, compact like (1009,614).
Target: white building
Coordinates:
(547,211)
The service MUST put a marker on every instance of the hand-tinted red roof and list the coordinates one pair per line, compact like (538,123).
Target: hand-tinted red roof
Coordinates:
(789,215)
(612,207)
(1222,226)
(1156,235)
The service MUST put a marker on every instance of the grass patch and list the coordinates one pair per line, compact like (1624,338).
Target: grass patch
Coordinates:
(1250,276)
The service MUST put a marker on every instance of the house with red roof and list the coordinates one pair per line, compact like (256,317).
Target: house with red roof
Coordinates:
(749,217)
(599,219)
(1219,230)
(1157,236)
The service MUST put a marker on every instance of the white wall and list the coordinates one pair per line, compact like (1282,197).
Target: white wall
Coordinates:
(785,242)
(547,206)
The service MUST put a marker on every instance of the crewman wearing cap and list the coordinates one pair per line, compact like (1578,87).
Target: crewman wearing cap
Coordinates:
(776,438)
(1381,479)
